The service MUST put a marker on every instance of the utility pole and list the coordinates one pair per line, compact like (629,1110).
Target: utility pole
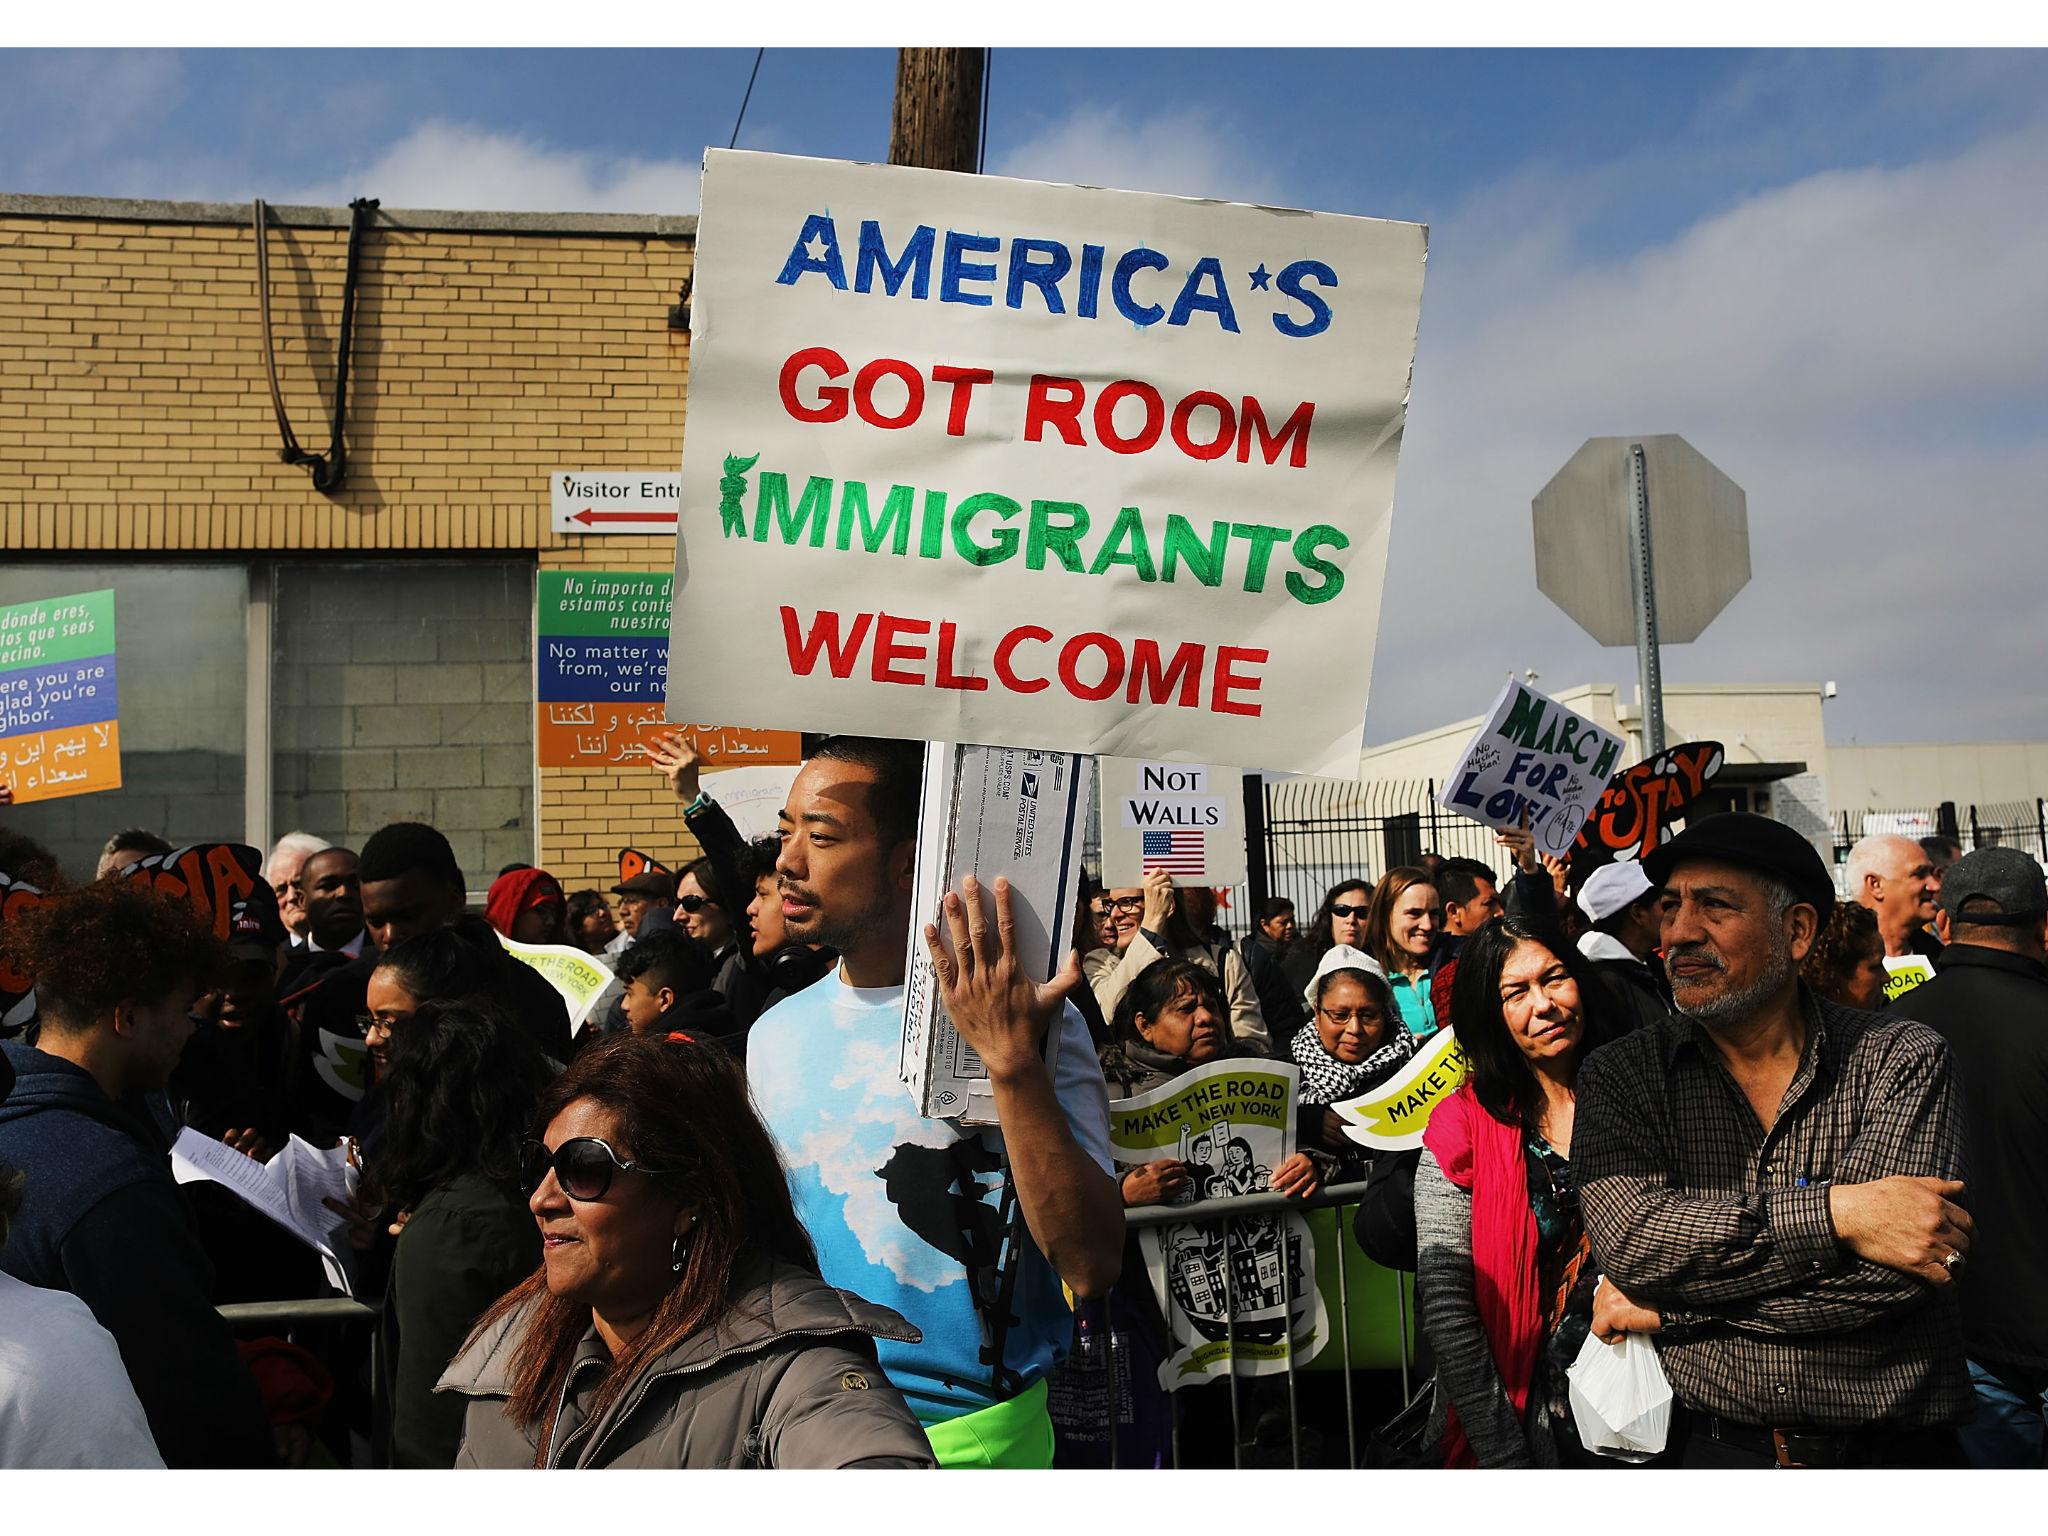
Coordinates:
(937,118)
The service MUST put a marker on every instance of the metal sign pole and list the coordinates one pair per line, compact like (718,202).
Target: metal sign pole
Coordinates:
(1649,669)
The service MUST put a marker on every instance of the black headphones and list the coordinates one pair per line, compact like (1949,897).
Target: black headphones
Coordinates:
(795,966)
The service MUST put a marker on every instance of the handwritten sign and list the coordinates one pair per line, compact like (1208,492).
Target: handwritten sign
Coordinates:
(602,670)
(1637,807)
(1532,757)
(59,698)
(1902,973)
(1391,1117)
(974,459)
(1229,1124)
(1184,818)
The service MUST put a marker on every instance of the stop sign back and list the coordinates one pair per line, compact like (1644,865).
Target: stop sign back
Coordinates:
(1699,529)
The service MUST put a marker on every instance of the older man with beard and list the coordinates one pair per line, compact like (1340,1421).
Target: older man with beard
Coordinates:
(1770,1181)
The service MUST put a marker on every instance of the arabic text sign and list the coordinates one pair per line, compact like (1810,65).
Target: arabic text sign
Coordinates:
(1229,1123)
(59,697)
(1184,818)
(974,459)
(1532,756)
(601,663)
(1391,1117)
(604,501)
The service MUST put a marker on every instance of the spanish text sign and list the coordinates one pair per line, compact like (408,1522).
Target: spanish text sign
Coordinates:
(60,732)
(1533,758)
(976,459)
(601,668)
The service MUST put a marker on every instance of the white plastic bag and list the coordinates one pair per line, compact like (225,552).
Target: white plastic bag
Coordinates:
(1619,1397)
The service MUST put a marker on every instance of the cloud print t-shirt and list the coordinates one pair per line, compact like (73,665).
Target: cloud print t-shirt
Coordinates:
(913,1213)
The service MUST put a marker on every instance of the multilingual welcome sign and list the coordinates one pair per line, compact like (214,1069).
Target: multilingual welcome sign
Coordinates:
(976,459)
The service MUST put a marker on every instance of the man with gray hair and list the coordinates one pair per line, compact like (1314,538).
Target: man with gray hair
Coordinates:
(1769,1181)
(1989,1001)
(282,869)
(1895,877)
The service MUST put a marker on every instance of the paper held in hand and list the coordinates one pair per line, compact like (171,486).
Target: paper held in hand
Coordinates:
(288,1189)
(989,811)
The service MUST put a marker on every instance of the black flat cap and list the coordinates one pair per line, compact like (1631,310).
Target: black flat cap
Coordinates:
(1749,842)
(660,887)
(2005,877)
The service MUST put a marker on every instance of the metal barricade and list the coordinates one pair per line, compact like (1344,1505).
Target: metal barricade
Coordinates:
(325,1309)
(1229,1211)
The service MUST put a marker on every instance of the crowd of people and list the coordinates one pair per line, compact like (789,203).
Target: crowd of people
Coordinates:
(704,1224)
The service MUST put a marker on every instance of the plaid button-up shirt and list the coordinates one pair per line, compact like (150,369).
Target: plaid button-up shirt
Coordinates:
(1695,1208)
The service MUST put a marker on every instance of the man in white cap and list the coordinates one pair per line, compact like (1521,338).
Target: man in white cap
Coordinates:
(1622,943)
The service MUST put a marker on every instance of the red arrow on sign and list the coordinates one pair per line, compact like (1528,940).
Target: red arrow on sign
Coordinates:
(587,517)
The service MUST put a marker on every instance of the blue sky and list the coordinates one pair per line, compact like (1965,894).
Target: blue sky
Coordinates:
(1828,270)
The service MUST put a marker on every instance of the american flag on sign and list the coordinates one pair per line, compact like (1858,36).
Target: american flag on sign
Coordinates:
(1178,853)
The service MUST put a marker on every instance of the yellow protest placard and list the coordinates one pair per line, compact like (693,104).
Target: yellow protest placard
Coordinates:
(1391,1116)
(1903,973)
(580,978)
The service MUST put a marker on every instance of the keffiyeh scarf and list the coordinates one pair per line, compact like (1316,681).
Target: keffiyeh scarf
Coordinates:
(1326,1080)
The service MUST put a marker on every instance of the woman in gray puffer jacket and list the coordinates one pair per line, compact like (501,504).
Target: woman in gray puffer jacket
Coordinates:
(677,1319)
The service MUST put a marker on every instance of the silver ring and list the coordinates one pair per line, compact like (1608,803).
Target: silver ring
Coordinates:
(1955,1257)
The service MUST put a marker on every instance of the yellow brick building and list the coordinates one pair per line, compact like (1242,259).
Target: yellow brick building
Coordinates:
(289,658)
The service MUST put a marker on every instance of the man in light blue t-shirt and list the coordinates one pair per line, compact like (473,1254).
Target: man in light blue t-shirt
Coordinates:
(968,1232)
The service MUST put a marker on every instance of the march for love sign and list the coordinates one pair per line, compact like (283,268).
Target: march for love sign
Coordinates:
(1533,757)
(983,460)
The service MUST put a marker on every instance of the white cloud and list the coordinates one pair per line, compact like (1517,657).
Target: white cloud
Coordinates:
(1187,151)
(1865,351)
(445,164)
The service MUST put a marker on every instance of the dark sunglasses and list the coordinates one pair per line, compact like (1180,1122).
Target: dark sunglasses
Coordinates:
(1339,909)
(695,903)
(583,1166)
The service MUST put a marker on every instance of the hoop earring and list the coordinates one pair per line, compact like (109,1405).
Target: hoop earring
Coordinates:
(679,1253)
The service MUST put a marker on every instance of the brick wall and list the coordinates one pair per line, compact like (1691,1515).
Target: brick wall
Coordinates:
(135,417)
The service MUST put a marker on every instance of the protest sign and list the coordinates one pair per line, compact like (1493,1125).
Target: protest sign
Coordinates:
(1902,973)
(1392,1116)
(1230,1123)
(223,883)
(1532,757)
(1184,818)
(752,797)
(972,458)
(601,672)
(580,978)
(17,987)
(989,811)
(1636,808)
(60,732)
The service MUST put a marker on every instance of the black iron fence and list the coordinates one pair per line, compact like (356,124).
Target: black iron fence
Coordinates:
(2021,824)
(1305,835)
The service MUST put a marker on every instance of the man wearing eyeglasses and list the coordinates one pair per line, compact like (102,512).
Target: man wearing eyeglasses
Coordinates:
(969,1232)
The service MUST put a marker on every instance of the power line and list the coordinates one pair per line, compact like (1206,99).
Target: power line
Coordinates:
(734,140)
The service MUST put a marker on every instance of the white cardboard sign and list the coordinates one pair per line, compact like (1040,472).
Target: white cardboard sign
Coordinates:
(1184,818)
(638,501)
(1533,755)
(1054,467)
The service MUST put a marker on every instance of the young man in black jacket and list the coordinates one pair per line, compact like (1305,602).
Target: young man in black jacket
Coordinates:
(1989,1001)
(118,969)
(1622,943)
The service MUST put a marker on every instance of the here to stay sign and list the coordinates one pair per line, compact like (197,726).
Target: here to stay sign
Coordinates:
(976,459)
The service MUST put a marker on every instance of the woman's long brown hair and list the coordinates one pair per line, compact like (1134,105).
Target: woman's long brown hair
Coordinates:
(683,1106)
